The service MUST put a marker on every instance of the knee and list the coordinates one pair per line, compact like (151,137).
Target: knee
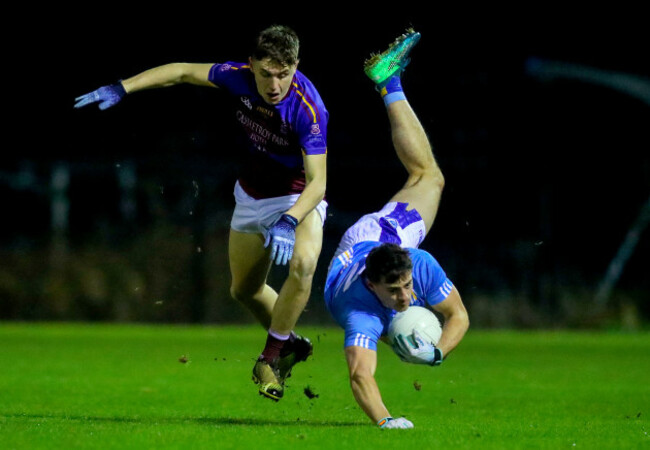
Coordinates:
(242,293)
(303,267)
(236,293)
(430,179)
(434,178)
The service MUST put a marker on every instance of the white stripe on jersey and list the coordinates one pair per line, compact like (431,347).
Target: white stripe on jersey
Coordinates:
(361,340)
(346,257)
(445,289)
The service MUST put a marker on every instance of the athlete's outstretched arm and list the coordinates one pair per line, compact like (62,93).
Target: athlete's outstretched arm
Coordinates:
(161,76)
(169,75)
(362,363)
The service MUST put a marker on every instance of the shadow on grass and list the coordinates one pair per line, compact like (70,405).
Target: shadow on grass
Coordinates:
(183,420)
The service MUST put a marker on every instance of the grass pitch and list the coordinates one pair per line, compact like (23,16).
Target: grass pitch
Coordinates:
(137,386)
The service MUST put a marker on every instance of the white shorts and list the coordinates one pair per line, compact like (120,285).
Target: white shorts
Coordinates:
(392,224)
(258,216)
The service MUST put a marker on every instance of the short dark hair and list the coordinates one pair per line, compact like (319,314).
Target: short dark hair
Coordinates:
(388,263)
(279,43)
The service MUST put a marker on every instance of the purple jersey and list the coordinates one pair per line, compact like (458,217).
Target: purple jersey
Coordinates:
(277,134)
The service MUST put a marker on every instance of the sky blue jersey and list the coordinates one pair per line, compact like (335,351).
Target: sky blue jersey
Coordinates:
(358,310)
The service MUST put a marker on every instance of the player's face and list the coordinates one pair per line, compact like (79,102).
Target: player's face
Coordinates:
(273,80)
(395,295)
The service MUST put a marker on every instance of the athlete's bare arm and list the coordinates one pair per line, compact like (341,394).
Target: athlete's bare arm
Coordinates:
(456,322)
(362,363)
(315,182)
(169,75)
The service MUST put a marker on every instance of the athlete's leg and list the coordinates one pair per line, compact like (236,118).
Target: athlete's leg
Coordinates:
(294,294)
(277,359)
(249,267)
(425,181)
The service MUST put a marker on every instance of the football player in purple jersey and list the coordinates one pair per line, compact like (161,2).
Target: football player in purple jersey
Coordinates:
(280,207)
(377,269)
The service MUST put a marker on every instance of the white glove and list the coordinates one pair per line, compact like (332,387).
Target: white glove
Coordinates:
(418,350)
(401,423)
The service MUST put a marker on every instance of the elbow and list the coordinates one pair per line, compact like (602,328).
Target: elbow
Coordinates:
(181,73)
(433,178)
(466,321)
(320,184)
(358,378)
(318,187)
(463,319)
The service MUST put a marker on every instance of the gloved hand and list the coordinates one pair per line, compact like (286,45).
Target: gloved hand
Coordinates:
(389,422)
(417,350)
(107,96)
(282,237)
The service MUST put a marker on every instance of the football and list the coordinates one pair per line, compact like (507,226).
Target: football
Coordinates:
(414,317)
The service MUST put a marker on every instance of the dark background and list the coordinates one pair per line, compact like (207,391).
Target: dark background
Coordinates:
(544,178)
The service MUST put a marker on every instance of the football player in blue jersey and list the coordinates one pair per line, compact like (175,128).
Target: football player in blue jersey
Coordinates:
(377,269)
(280,207)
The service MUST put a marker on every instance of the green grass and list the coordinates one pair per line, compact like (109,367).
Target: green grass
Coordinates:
(123,386)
